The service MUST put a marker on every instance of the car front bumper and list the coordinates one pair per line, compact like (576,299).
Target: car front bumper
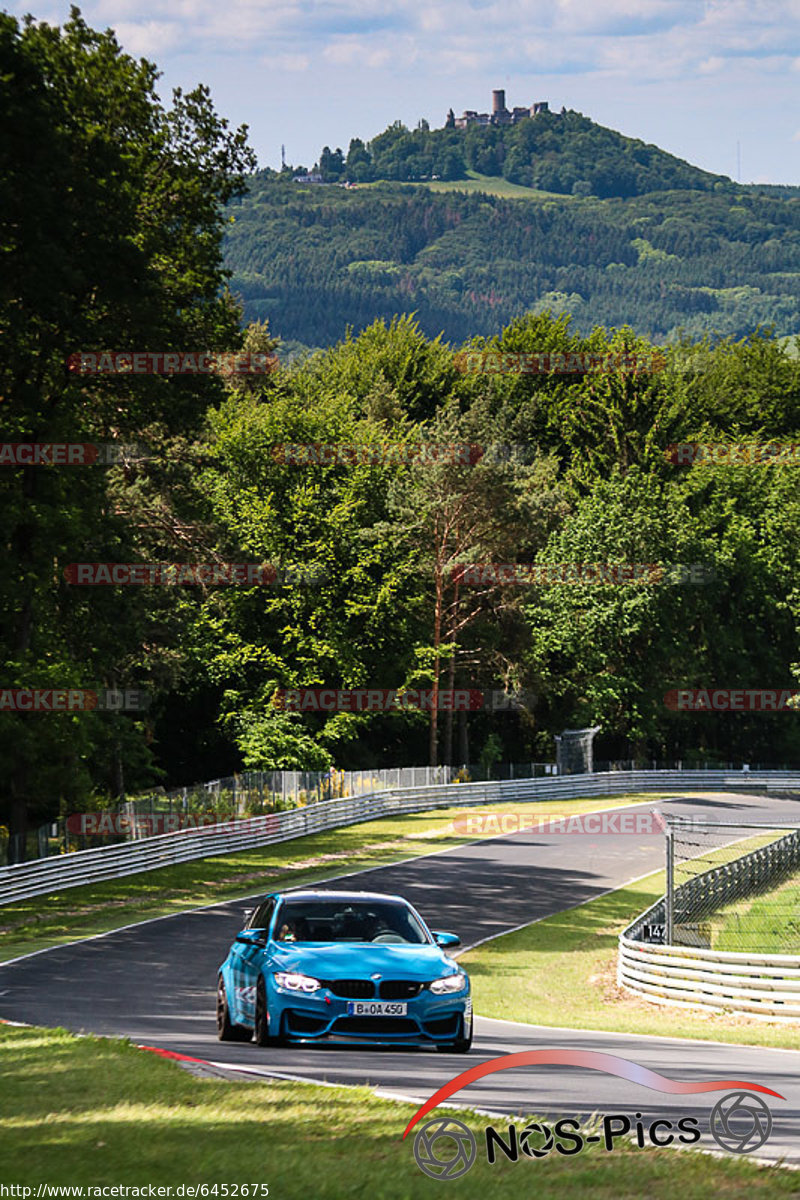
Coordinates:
(429,1019)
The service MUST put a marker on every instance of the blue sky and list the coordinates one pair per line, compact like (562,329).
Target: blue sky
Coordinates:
(693,76)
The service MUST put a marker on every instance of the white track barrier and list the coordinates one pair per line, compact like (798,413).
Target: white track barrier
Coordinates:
(43,876)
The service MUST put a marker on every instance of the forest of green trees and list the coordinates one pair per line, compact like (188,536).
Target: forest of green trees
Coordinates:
(556,152)
(129,255)
(314,259)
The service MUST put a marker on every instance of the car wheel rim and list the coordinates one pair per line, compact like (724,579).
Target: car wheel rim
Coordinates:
(220,1004)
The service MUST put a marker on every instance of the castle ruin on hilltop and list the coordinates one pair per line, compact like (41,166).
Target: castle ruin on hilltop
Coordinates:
(500,115)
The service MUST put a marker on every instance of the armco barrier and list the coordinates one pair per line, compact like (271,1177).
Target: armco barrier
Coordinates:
(43,876)
(715,887)
(766,985)
(758,870)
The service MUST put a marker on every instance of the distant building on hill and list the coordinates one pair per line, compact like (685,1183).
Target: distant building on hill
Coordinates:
(500,115)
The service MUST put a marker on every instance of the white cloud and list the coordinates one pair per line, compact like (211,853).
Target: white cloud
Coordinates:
(450,62)
(289,62)
(344,53)
(148,39)
(691,74)
(352,52)
(588,34)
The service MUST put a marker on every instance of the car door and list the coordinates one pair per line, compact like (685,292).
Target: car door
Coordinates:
(250,959)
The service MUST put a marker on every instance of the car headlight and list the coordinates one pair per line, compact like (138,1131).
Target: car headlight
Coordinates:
(294,982)
(449,983)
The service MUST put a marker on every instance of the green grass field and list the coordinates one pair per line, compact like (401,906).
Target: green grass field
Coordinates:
(493,185)
(80,912)
(94,1111)
(768,924)
(561,971)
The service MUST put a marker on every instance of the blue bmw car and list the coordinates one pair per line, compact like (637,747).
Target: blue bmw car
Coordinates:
(343,966)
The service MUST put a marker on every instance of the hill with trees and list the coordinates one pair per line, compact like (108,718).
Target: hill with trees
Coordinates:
(556,152)
(113,212)
(317,259)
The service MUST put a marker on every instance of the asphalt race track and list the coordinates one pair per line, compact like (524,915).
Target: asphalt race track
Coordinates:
(155,983)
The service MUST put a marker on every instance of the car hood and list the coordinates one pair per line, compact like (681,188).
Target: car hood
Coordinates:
(361,960)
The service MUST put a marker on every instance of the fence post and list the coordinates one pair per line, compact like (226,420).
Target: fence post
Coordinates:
(669,911)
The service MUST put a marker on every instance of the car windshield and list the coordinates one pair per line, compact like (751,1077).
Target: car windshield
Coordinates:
(377,921)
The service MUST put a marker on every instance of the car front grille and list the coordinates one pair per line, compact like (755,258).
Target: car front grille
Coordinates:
(351,989)
(399,989)
(375,1025)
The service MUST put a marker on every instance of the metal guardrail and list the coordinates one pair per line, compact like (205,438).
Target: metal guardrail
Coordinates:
(25,880)
(248,794)
(756,869)
(766,985)
(751,983)
(745,876)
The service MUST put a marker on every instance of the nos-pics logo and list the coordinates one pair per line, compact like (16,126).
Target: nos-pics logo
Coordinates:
(445,1148)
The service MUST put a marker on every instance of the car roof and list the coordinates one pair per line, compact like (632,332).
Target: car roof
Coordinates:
(311,894)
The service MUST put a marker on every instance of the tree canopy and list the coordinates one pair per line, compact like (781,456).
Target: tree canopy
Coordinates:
(379,482)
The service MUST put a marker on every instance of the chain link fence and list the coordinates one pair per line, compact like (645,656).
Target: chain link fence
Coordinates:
(237,797)
(733,886)
(256,793)
(253,793)
(574,751)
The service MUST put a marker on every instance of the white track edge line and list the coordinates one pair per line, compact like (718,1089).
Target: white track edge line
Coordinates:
(404,1098)
(464,950)
(650,1037)
(328,879)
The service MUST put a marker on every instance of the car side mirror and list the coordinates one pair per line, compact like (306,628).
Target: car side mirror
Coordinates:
(252,937)
(446,939)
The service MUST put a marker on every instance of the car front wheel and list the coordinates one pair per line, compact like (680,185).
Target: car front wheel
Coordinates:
(226,1030)
(461,1045)
(264,1035)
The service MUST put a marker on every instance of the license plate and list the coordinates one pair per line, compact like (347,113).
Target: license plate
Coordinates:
(376,1008)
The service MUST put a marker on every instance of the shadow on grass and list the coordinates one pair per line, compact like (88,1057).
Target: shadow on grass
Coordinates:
(593,926)
(114,1116)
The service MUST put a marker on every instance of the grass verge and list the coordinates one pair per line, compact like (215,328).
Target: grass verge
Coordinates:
(768,924)
(561,971)
(94,1111)
(62,917)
